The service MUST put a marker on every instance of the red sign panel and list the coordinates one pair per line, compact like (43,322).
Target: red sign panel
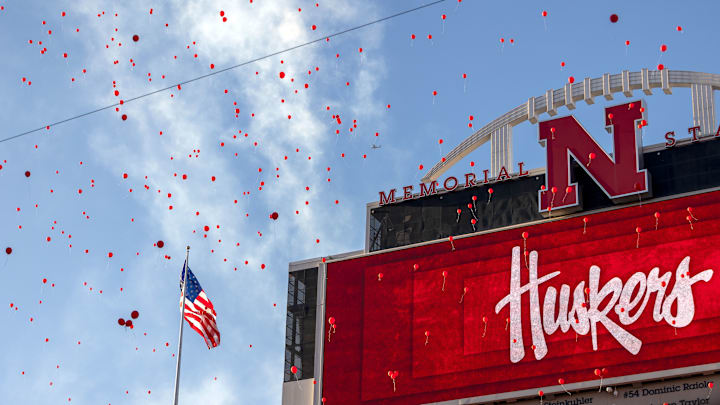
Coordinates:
(631,291)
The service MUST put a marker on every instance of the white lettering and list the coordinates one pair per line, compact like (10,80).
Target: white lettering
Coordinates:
(584,316)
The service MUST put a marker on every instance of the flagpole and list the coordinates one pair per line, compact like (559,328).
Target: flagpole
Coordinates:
(182,316)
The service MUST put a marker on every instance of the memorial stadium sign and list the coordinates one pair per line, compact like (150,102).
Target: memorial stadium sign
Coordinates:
(620,176)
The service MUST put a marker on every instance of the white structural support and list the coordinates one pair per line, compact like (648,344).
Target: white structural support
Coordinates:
(703,107)
(702,86)
(501,149)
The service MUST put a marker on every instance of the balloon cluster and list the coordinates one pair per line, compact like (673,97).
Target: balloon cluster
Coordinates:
(129,323)
(332,329)
(602,373)
(393,375)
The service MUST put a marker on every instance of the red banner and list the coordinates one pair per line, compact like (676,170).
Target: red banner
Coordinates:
(630,291)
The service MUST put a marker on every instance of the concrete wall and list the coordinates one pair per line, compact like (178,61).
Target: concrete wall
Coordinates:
(298,392)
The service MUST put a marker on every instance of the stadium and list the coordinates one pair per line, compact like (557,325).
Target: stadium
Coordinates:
(588,281)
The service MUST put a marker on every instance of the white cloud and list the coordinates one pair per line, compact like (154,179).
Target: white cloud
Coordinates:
(200,117)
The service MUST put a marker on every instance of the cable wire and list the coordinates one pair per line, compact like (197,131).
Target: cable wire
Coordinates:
(324,38)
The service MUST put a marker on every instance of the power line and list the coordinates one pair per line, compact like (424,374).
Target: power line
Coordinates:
(324,38)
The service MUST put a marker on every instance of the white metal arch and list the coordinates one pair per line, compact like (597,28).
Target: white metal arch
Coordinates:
(499,130)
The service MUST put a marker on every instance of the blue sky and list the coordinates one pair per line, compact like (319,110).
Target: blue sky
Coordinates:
(88,358)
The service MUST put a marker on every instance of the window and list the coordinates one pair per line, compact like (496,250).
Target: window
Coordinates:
(300,324)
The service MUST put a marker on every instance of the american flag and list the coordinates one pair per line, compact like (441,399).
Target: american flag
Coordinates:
(199,311)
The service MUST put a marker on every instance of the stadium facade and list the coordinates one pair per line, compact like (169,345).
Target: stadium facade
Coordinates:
(590,281)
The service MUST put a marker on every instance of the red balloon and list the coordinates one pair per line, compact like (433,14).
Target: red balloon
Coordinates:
(282,75)
(136,37)
(571,80)
(638,229)
(331,320)
(121,322)
(124,117)
(525,235)
(416,266)
(8,250)
(293,370)
(129,323)
(544,13)
(160,244)
(597,372)
(540,393)
(614,18)
(561,381)
(134,314)
(657,215)
(274,216)
(554,190)
(592,154)
(27,173)
(490,190)
(663,48)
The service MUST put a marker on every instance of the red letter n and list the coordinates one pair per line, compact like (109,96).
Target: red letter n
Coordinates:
(618,175)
